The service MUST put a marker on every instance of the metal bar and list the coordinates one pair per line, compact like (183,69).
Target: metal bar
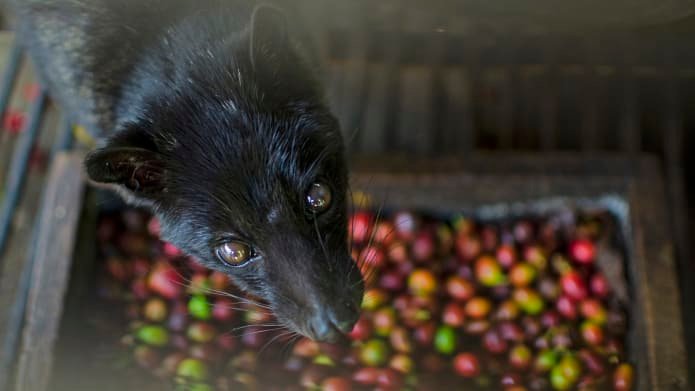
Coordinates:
(18,167)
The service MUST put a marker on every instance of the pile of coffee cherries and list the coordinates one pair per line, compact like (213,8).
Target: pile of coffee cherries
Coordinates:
(450,303)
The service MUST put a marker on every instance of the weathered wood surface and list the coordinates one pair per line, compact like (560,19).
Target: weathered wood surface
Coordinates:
(58,219)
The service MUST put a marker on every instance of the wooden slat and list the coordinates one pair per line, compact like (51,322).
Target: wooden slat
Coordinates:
(458,126)
(373,128)
(674,149)
(415,119)
(549,100)
(55,243)
(590,97)
(630,132)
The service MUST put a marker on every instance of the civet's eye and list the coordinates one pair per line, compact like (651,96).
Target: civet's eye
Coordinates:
(234,253)
(318,198)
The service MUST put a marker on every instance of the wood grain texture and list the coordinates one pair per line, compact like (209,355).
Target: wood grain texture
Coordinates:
(58,220)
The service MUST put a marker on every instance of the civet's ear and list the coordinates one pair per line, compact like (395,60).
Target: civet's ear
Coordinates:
(269,35)
(137,172)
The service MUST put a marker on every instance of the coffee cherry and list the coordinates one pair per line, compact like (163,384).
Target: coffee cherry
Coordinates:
(489,272)
(523,231)
(583,251)
(384,233)
(423,247)
(372,257)
(192,369)
(511,331)
(506,256)
(359,227)
(155,310)
(570,367)
(507,310)
(199,307)
(402,363)
(223,310)
(422,282)
(374,353)
(153,335)
(459,288)
(165,280)
(494,343)
(592,333)
(511,382)
(454,314)
(445,340)
(545,360)
(478,307)
(366,376)
(477,326)
(373,299)
(306,348)
(392,280)
(467,365)
(573,286)
(558,379)
(599,286)
(467,247)
(201,332)
(592,309)
(566,307)
(623,378)
(400,340)
(520,357)
(336,384)
(397,252)
(406,225)
(522,274)
(536,257)
(529,301)
(384,321)
(362,330)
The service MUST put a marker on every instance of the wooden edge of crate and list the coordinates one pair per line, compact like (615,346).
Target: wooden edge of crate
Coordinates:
(499,178)
(57,222)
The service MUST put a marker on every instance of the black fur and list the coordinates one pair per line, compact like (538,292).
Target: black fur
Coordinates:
(216,121)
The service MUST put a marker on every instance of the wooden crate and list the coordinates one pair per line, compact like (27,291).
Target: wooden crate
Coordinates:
(483,186)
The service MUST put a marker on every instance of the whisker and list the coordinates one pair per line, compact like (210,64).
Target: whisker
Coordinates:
(323,246)
(267,344)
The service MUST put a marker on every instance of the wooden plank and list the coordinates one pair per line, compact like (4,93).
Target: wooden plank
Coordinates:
(58,221)
(590,92)
(373,128)
(549,99)
(415,113)
(674,149)
(630,131)
(458,126)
